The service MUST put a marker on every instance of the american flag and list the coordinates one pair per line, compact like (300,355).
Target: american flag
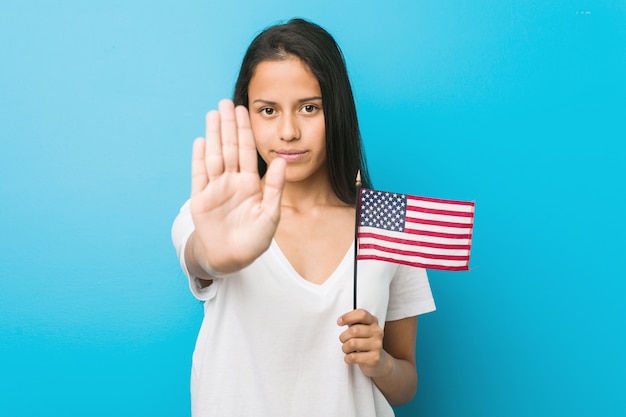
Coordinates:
(417,231)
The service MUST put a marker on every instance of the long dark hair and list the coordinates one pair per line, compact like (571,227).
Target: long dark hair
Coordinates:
(317,48)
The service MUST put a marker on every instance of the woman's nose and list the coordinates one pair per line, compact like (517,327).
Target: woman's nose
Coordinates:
(289,128)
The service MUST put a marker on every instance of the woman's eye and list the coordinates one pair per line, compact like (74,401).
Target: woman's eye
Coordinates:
(267,111)
(309,108)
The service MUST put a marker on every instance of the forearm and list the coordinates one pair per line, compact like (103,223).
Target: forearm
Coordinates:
(399,382)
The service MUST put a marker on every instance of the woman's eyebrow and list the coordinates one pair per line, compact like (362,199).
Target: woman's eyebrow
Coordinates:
(302,100)
(273,103)
(261,101)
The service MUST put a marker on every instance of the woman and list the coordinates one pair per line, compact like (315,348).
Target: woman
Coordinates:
(267,241)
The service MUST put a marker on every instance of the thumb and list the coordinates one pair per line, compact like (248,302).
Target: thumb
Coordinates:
(274,180)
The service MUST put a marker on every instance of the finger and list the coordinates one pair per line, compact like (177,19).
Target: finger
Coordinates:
(356,357)
(230,147)
(357,331)
(199,179)
(370,359)
(361,345)
(273,189)
(247,148)
(358,316)
(213,160)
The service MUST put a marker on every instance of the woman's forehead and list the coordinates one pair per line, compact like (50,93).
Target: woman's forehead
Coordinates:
(276,79)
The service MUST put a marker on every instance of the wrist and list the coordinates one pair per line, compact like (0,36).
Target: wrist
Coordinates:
(206,267)
(195,258)
(389,365)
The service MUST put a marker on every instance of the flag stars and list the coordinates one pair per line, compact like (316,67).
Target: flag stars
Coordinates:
(383,210)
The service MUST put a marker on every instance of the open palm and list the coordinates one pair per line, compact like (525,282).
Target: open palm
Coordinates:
(235,213)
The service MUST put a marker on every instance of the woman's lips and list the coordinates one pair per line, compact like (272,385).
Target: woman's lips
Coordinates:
(290,155)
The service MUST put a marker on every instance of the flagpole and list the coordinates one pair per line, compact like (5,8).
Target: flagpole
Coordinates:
(357,219)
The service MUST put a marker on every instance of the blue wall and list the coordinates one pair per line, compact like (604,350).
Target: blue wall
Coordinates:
(519,106)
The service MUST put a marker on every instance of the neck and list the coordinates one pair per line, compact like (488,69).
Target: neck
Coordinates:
(309,193)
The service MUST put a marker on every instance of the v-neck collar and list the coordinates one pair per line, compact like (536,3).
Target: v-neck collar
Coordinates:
(345,262)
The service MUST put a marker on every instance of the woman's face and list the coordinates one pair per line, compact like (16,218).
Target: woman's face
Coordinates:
(287,117)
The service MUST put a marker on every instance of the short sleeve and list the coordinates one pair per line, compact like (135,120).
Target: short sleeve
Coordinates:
(409,293)
(181,230)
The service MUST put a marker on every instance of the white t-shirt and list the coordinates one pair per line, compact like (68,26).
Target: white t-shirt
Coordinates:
(269,342)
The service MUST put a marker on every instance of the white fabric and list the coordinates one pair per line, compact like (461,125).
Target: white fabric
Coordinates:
(269,343)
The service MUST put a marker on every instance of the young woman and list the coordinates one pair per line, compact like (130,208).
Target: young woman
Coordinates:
(267,243)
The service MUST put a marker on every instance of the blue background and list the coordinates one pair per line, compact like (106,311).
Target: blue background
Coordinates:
(519,106)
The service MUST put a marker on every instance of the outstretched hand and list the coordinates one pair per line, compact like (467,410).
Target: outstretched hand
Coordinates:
(235,213)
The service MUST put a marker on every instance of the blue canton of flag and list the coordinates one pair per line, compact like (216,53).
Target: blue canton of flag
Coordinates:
(383,210)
